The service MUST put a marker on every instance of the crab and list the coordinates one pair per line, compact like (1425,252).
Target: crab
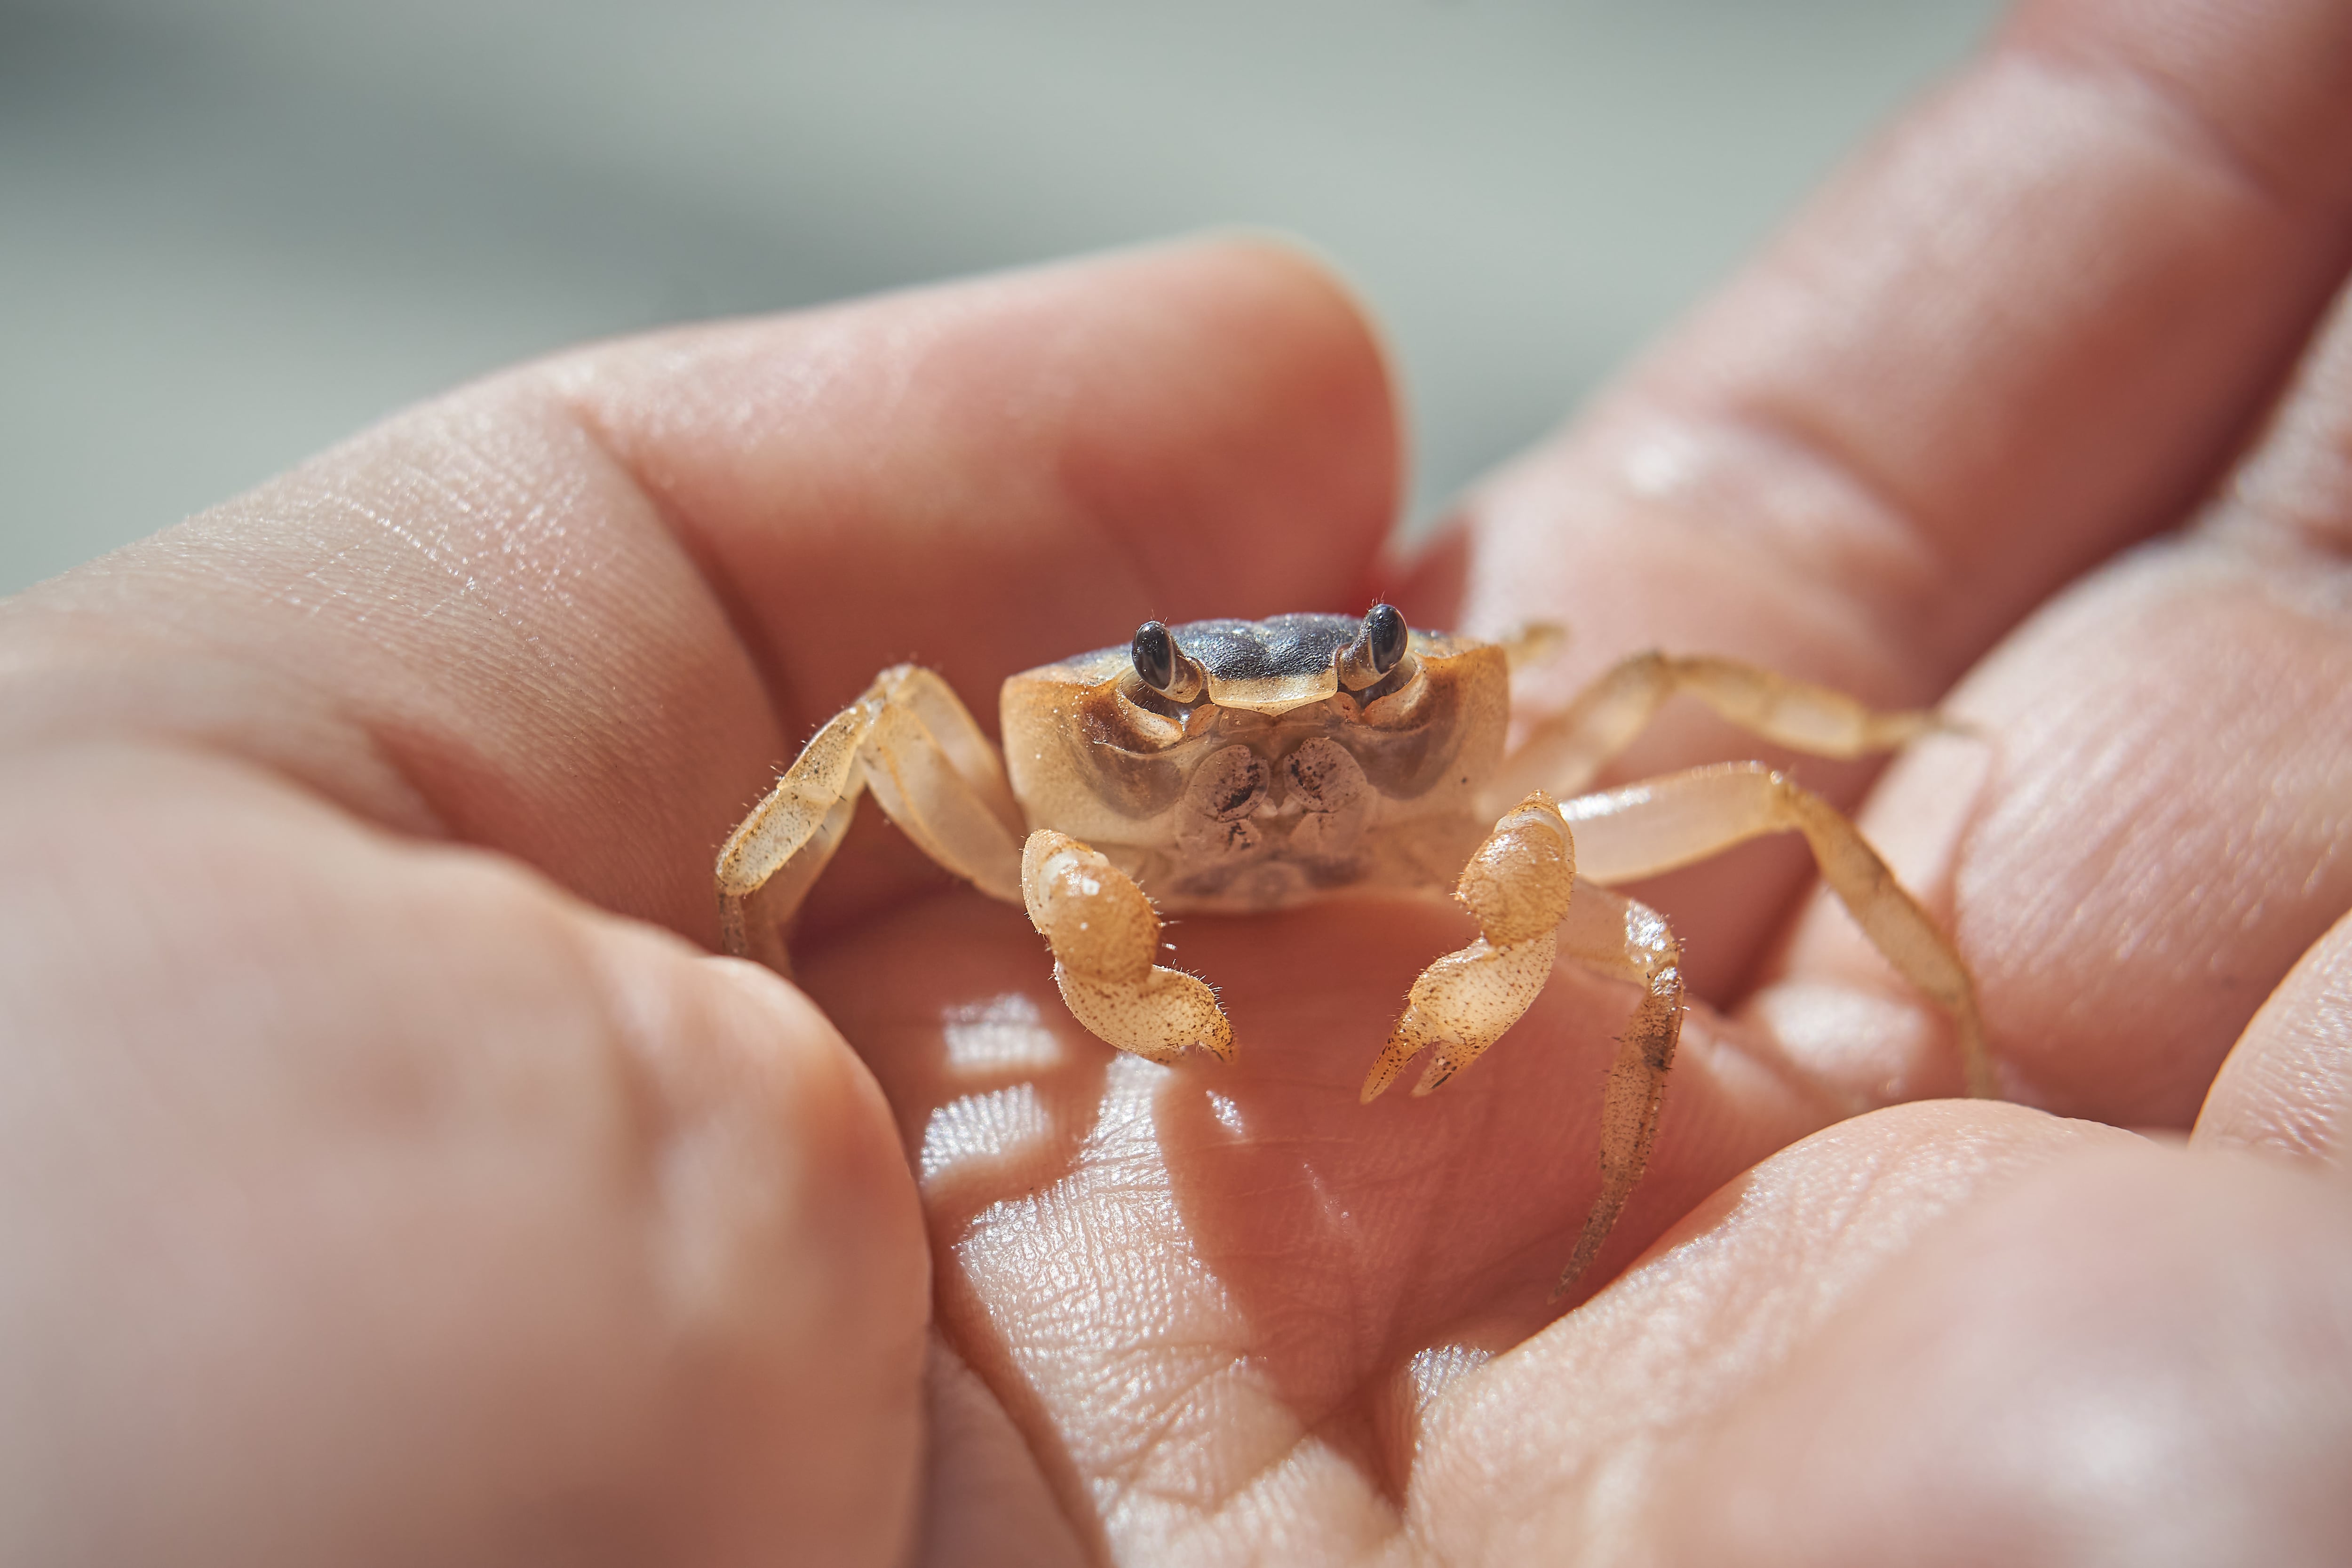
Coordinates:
(1232,765)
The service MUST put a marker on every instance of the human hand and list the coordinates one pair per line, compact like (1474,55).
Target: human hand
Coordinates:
(375,1199)
(384,1184)
(1912,448)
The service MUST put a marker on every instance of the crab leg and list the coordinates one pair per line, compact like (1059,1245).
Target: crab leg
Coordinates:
(1566,752)
(1105,934)
(915,746)
(1644,829)
(1523,890)
(1531,642)
(1516,887)
(1613,935)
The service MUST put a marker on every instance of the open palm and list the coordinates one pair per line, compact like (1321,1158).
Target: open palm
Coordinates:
(390,1175)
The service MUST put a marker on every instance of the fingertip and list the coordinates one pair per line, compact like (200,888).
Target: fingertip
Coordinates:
(780,1149)
(1282,283)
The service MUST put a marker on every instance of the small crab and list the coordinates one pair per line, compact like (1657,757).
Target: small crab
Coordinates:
(1247,765)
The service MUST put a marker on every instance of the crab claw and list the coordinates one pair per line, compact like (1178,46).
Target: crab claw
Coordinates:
(1104,932)
(1461,1004)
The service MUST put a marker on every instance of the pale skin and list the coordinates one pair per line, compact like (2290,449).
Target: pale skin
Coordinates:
(390,1173)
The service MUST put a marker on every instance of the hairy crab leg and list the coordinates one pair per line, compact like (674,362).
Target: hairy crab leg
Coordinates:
(1623,835)
(1531,642)
(1105,934)
(910,741)
(1611,934)
(1522,889)
(1568,750)
(1516,887)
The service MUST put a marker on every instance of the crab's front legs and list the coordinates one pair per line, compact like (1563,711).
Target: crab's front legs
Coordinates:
(1104,934)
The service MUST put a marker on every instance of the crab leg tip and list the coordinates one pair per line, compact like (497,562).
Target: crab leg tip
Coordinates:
(1587,1247)
(1404,1043)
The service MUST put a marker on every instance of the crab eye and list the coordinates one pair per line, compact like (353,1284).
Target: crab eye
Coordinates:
(1379,647)
(1384,636)
(1155,657)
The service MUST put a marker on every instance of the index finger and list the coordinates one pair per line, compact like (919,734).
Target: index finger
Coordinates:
(578,611)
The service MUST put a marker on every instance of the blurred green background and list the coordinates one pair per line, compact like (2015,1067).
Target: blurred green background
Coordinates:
(232,231)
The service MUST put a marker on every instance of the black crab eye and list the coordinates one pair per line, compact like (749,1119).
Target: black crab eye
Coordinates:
(1155,657)
(1384,636)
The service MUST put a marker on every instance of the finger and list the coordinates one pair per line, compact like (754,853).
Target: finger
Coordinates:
(2022,331)
(2143,1351)
(1015,469)
(986,1504)
(1568,1446)
(363,1192)
(2285,1084)
(2286,1087)
(2289,503)
(1972,369)
(2150,829)
(579,612)
(2144,836)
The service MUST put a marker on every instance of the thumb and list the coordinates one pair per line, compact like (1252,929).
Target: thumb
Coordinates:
(367,1200)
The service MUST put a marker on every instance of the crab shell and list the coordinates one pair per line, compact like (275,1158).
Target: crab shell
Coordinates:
(1275,785)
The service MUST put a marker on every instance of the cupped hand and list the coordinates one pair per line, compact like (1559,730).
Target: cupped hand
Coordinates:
(390,1176)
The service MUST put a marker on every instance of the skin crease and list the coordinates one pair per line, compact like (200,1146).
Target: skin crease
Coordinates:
(386,1177)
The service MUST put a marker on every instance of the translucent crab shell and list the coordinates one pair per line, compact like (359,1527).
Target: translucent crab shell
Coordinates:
(1093,752)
